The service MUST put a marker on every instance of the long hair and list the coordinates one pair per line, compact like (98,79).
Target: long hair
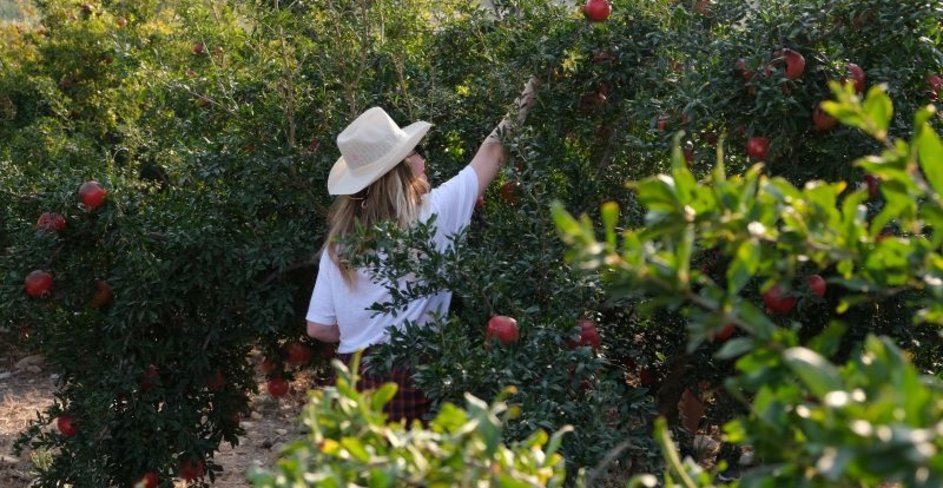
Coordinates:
(395,197)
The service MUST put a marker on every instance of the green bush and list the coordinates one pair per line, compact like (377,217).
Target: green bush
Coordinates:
(210,125)
(350,442)
(809,421)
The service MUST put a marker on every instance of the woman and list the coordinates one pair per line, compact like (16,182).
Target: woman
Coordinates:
(380,177)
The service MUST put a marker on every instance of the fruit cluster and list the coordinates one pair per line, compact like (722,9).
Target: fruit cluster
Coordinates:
(38,283)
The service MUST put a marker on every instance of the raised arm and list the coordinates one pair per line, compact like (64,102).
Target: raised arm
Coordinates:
(491,154)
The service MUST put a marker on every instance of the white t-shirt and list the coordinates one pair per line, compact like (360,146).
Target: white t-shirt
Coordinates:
(333,302)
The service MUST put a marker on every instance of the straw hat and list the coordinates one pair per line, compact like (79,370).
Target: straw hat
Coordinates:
(371,146)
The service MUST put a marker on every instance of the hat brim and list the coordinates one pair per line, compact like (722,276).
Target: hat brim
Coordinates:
(343,181)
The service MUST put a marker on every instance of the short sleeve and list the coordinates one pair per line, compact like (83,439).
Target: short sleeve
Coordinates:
(321,308)
(454,201)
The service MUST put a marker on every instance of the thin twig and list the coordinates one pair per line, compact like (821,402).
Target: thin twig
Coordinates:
(289,88)
(205,98)
(606,461)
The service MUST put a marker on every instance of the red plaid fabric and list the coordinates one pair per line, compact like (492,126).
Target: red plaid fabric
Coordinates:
(409,403)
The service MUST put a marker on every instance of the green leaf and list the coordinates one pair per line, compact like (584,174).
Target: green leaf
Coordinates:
(356,449)
(930,151)
(684,183)
(898,204)
(923,115)
(566,224)
(658,194)
(745,263)
(537,439)
(556,440)
(819,375)
(677,156)
(828,342)
(382,396)
(735,348)
(755,321)
(719,173)
(845,114)
(610,218)
(449,419)
(845,267)
(934,218)
(878,106)
(379,478)
(683,255)
(508,481)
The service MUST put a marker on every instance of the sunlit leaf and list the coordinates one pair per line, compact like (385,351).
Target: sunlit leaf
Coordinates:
(930,150)
(819,375)
(880,110)
(744,265)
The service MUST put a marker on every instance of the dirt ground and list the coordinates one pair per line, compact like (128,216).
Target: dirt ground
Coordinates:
(26,386)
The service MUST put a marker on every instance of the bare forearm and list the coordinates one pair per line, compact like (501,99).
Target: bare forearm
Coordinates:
(324,333)
(491,154)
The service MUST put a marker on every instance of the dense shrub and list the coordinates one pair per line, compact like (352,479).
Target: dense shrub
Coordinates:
(211,128)
(810,422)
(350,442)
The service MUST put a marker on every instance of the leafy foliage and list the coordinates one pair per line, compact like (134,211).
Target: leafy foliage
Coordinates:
(810,422)
(210,126)
(350,442)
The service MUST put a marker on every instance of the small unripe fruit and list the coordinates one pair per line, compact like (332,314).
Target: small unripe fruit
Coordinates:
(92,194)
(936,84)
(589,335)
(795,64)
(758,148)
(597,10)
(703,7)
(278,387)
(51,222)
(857,75)
(745,73)
(38,284)
(661,123)
(873,184)
(689,155)
(502,328)
(822,120)
(298,353)
(777,301)
(190,470)
(817,285)
(103,294)
(725,333)
(66,425)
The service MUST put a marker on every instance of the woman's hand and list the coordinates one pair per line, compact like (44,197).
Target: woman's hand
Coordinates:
(491,154)
(526,99)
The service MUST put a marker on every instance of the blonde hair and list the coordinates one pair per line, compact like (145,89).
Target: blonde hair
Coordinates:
(395,197)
